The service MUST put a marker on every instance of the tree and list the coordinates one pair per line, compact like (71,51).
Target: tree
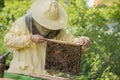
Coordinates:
(1,4)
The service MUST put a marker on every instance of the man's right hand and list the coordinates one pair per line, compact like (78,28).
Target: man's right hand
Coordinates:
(37,38)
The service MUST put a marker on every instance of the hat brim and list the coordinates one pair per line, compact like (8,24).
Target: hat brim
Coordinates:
(51,24)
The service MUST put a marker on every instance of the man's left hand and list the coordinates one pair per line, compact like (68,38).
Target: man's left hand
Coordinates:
(84,41)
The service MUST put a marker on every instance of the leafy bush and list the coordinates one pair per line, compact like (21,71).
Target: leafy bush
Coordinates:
(101,62)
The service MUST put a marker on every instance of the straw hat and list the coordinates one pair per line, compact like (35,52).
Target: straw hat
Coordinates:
(49,13)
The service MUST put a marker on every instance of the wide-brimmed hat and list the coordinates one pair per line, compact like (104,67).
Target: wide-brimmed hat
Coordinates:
(49,13)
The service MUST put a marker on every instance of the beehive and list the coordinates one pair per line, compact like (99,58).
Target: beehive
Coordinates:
(63,57)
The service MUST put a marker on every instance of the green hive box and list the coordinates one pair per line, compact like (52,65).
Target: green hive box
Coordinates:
(20,77)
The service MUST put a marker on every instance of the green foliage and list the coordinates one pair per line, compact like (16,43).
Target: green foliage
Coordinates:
(101,62)
(1,4)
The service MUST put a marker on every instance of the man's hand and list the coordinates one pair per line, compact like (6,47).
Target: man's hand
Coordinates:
(37,38)
(84,41)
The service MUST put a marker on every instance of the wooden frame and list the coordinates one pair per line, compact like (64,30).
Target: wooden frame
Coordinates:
(63,57)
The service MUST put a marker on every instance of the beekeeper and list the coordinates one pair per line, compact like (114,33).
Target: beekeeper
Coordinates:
(26,38)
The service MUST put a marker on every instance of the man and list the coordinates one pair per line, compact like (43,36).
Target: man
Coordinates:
(26,38)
